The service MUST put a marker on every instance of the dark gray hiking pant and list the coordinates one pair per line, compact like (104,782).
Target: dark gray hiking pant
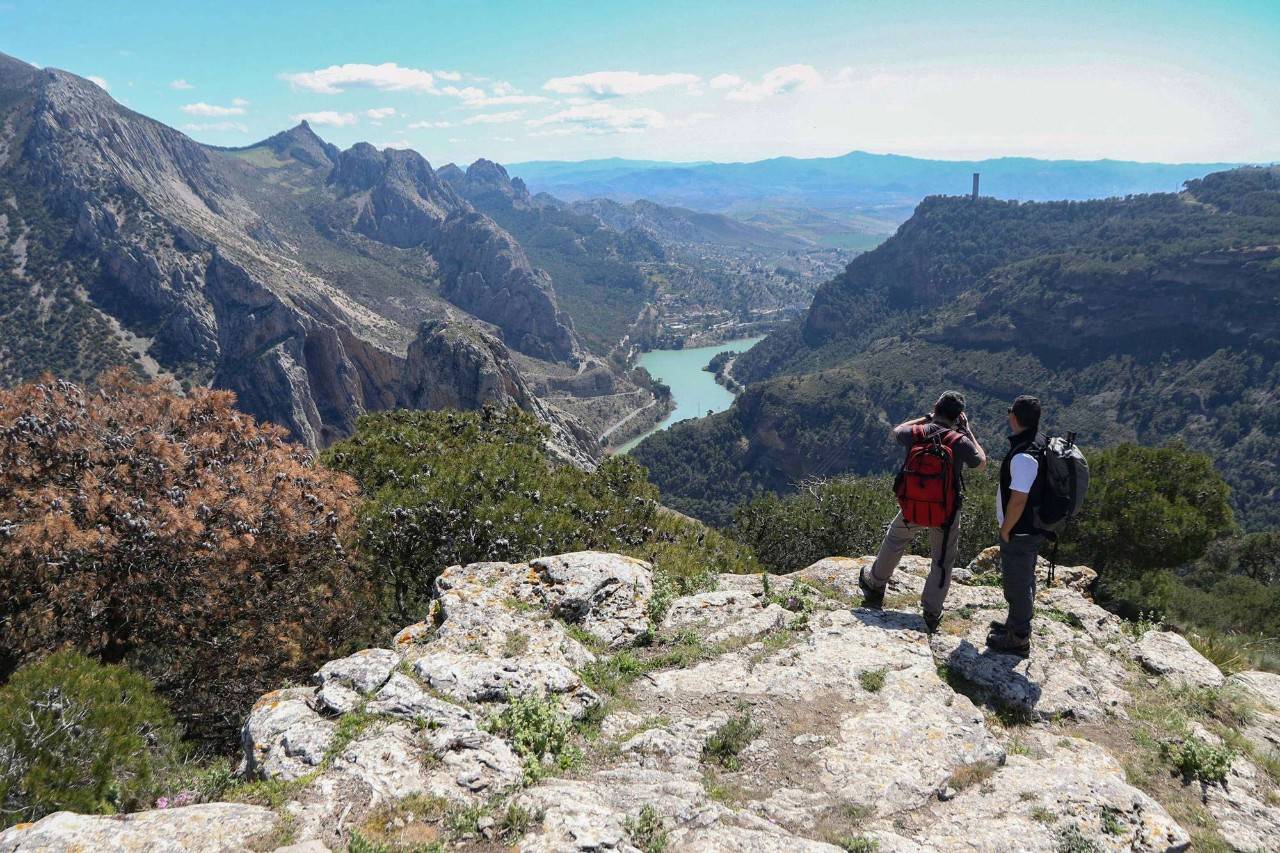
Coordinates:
(1018,576)
(895,544)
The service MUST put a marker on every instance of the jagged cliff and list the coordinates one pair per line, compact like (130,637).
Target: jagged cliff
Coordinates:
(766,714)
(290,272)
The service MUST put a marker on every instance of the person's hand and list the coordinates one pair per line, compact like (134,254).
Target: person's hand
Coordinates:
(963,422)
(1004,535)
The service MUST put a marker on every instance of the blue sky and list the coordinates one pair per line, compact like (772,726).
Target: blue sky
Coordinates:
(1168,81)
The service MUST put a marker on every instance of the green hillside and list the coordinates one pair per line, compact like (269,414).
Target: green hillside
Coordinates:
(1150,318)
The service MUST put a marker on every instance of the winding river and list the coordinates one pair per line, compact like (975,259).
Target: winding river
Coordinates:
(695,390)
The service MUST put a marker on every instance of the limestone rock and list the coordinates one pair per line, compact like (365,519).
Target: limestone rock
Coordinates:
(1031,803)
(213,827)
(284,737)
(344,683)
(987,565)
(608,594)
(1068,673)
(1263,690)
(1170,655)
(1245,820)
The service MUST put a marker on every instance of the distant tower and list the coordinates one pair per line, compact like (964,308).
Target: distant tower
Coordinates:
(975,187)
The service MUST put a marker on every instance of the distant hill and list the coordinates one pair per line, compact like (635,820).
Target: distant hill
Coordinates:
(883,185)
(1153,318)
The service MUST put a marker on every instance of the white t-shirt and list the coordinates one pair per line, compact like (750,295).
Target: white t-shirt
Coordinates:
(1022,475)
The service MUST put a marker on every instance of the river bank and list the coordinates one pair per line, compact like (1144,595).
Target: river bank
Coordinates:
(694,390)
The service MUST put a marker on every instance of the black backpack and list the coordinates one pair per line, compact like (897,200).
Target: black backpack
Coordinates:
(1064,481)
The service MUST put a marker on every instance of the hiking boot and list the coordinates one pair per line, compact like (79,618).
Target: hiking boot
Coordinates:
(1010,643)
(931,621)
(998,628)
(871,597)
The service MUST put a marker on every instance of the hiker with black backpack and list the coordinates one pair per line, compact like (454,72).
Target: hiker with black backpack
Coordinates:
(1042,488)
(929,490)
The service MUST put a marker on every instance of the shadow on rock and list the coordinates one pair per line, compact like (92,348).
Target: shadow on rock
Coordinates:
(890,620)
(990,676)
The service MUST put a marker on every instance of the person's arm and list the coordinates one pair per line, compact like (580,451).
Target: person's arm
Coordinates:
(1022,476)
(968,433)
(903,432)
(1013,512)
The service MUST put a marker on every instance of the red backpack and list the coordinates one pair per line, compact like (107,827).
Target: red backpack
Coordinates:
(927,486)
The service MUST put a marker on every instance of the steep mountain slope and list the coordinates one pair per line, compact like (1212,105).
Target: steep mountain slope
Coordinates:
(647,275)
(885,185)
(597,270)
(290,272)
(1151,318)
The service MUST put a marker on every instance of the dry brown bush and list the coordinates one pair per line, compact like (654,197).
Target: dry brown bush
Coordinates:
(175,535)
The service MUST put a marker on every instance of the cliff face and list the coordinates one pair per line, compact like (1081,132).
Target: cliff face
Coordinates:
(289,272)
(764,714)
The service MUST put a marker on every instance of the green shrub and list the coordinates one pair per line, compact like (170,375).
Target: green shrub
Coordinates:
(727,742)
(646,830)
(537,732)
(446,488)
(1198,759)
(846,516)
(81,736)
(872,680)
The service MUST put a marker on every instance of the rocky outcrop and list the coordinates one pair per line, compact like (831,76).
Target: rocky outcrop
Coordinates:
(395,197)
(212,827)
(289,272)
(763,714)
(1170,655)
(454,365)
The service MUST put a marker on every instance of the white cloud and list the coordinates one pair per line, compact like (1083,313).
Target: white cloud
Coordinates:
(779,81)
(379,113)
(387,77)
(503,138)
(218,126)
(615,84)
(725,81)
(451,76)
(327,117)
(494,118)
(99,82)
(502,88)
(400,144)
(418,125)
(211,110)
(239,102)
(505,100)
(180,84)
(601,119)
(467,93)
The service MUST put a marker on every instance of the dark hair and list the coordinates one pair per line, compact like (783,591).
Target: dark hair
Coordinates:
(1027,410)
(949,405)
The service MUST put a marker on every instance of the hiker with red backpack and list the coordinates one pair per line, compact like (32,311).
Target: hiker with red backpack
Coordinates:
(929,489)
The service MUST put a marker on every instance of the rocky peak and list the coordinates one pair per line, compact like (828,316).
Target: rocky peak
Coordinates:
(302,144)
(451,174)
(764,714)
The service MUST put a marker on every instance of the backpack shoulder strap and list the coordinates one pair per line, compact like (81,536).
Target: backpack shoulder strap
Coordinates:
(951,436)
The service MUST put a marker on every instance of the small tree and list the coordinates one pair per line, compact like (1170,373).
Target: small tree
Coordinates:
(173,534)
(1149,508)
(81,736)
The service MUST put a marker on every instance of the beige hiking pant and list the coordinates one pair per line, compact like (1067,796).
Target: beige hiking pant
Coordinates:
(895,544)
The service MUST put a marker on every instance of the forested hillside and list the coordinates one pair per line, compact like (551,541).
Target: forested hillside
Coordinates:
(1150,318)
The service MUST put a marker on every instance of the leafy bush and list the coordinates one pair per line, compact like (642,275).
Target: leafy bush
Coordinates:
(727,742)
(450,487)
(172,534)
(847,516)
(1149,508)
(537,732)
(647,831)
(1197,759)
(78,735)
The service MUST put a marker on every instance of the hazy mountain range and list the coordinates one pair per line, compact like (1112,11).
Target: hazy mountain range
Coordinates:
(883,186)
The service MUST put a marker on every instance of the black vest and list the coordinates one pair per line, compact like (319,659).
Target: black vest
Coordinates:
(1021,443)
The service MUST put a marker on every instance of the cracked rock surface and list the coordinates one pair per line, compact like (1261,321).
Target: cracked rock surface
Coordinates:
(765,714)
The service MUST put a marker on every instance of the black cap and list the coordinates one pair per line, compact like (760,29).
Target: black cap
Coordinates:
(1027,410)
(949,405)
